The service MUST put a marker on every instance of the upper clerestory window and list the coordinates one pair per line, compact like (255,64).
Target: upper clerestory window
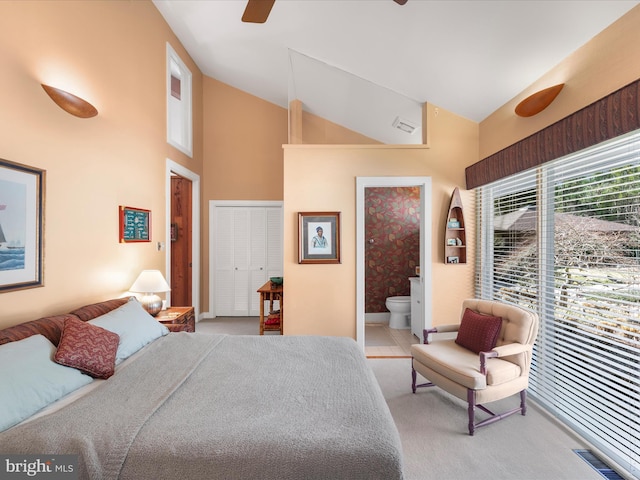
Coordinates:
(179,109)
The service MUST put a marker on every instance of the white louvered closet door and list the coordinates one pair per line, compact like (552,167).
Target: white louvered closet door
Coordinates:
(258,240)
(266,256)
(222,249)
(241,261)
(247,247)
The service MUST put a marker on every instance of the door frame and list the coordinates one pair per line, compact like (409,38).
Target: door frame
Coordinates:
(213,204)
(424,183)
(175,168)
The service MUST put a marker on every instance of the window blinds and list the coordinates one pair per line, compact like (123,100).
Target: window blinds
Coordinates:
(564,240)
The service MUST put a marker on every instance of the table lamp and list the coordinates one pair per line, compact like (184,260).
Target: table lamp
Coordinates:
(150,282)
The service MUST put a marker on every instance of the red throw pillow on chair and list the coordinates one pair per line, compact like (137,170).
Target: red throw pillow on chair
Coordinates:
(477,332)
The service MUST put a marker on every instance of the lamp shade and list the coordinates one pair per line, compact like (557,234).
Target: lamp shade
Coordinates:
(150,281)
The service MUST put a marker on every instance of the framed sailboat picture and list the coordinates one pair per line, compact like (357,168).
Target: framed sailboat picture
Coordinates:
(21,224)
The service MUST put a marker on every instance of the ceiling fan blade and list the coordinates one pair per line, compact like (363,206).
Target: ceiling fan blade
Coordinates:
(400,2)
(257,11)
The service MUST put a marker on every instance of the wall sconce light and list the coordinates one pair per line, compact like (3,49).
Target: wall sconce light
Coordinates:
(534,104)
(70,103)
(150,282)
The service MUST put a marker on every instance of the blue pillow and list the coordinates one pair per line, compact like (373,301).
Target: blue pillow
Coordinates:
(134,325)
(30,379)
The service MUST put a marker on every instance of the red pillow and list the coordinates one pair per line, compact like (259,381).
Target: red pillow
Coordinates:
(89,348)
(477,332)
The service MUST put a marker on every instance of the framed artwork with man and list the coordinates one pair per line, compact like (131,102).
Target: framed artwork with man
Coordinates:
(319,237)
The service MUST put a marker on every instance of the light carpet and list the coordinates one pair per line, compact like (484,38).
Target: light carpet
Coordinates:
(436,443)
(231,325)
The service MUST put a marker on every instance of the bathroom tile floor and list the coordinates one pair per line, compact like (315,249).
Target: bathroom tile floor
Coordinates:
(387,342)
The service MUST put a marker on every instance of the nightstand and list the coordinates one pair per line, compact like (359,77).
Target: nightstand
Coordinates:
(178,316)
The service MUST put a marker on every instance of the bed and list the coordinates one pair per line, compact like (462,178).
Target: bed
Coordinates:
(190,405)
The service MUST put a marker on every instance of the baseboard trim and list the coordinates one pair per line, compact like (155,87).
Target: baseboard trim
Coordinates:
(382,317)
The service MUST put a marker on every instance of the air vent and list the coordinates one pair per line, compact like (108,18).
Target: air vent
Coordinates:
(598,465)
(405,125)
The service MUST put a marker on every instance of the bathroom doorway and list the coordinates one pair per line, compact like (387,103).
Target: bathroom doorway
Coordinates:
(392,256)
(424,277)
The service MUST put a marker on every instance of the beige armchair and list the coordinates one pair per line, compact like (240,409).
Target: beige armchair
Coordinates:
(486,376)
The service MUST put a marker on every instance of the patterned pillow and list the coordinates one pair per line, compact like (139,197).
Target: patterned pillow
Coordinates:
(50,327)
(477,332)
(94,310)
(89,348)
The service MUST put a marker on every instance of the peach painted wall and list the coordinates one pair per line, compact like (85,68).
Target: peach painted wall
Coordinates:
(113,54)
(606,63)
(243,138)
(321,299)
(243,158)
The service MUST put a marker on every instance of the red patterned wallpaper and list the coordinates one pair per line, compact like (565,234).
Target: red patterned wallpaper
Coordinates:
(393,223)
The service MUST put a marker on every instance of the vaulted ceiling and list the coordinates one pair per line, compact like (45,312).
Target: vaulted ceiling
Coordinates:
(367,64)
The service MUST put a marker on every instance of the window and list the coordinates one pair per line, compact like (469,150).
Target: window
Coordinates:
(564,240)
(179,123)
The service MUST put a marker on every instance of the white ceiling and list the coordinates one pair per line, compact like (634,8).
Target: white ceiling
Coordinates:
(362,63)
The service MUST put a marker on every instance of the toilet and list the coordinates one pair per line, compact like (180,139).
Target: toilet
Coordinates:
(400,308)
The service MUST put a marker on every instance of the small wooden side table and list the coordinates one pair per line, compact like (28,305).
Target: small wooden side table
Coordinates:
(178,316)
(271,292)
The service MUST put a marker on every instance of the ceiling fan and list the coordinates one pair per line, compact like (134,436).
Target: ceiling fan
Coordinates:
(257,11)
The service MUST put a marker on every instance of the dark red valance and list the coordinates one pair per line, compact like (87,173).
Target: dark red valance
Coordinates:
(609,117)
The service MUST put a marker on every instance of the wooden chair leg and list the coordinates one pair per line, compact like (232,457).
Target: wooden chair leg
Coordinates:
(471,410)
(413,379)
(494,417)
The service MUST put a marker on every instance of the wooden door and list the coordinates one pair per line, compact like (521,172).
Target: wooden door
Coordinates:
(181,241)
